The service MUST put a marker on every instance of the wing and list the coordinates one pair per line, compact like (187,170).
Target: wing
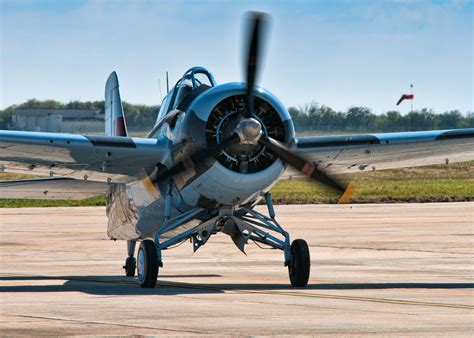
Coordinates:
(51,188)
(356,153)
(95,158)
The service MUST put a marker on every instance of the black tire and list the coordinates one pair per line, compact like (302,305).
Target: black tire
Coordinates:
(130,266)
(147,266)
(300,263)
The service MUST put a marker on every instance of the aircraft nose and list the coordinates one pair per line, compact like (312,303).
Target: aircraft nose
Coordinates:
(249,130)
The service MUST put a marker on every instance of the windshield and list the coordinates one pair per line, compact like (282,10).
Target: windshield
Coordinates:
(195,81)
(164,108)
(203,79)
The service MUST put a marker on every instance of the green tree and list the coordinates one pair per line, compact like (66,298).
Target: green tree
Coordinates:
(359,119)
(450,119)
(390,121)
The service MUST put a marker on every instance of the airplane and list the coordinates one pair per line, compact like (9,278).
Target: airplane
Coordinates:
(213,154)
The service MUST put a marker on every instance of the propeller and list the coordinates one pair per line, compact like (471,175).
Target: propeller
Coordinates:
(198,156)
(249,130)
(286,155)
(257,22)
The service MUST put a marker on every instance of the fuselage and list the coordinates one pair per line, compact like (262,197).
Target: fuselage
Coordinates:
(194,117)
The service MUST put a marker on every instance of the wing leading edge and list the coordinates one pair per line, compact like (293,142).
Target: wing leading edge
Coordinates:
(95,158)
(367,152)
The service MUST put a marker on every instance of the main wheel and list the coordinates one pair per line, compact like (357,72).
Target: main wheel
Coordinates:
(300,263)
(147,264)
(130,266)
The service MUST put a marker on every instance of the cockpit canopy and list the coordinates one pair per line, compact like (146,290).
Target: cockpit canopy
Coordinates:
(194,82)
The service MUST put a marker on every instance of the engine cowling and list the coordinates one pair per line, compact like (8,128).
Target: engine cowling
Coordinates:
(221,108)
(228,181)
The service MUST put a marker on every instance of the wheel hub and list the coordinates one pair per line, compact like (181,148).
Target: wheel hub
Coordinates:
(141,265)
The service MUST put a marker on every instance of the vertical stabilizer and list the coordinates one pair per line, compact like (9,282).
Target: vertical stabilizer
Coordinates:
(114,119)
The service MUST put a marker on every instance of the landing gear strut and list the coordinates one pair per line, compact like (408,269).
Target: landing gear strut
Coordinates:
(130,263)
(243,225)
(266,230)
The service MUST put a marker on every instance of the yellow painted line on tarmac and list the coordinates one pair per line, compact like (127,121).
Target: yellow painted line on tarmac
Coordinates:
(363,299)
(247,291)
(318,295)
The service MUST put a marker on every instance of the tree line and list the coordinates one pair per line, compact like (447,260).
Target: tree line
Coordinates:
(315,117)
(311,117)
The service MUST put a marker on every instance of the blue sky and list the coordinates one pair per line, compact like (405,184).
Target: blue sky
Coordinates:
(338,53)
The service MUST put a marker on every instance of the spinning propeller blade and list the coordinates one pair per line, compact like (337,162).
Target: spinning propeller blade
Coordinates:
(198,156)
(256,27)
(288,156)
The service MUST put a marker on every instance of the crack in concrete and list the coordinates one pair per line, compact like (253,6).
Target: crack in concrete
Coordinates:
(111,324)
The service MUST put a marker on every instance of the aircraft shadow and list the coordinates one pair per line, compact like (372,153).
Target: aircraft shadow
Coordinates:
(118,285)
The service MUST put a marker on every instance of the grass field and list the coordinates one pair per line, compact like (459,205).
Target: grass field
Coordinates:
(442,183)
(302,191)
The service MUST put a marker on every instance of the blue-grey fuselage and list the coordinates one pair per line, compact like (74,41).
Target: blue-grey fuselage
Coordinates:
(137,209)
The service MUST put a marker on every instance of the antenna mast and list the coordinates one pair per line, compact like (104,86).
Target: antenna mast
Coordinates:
(167,84)
(159,85)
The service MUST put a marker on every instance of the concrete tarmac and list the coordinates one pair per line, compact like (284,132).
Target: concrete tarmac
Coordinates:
(396,269)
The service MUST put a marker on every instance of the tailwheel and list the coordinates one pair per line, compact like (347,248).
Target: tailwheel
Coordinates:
(300,263)
(130,266)
(147,264)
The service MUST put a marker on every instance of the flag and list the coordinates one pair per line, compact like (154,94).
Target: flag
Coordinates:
(405,97)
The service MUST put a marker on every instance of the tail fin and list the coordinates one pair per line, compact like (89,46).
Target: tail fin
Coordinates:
(114,119)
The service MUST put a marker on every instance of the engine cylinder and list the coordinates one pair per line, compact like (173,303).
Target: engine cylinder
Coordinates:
(241,172)
(222,107)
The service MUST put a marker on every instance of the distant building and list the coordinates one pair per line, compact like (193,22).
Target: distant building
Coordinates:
(76,121)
